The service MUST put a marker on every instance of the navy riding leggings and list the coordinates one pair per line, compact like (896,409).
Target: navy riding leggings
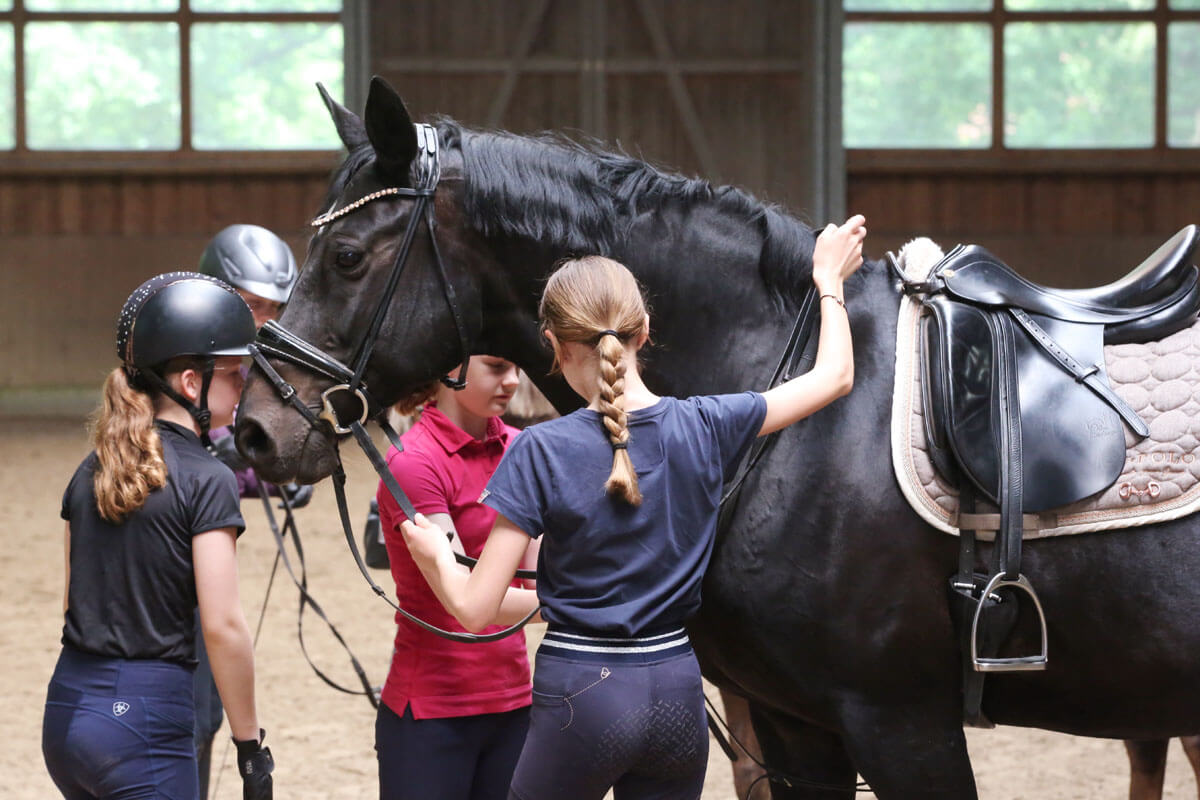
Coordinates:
(450,758)
(121,729)
(626,714)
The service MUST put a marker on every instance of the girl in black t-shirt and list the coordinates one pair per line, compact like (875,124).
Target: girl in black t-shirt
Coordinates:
(152,520)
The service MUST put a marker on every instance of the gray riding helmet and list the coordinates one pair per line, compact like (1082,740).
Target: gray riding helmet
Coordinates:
(252,258)
(182,314)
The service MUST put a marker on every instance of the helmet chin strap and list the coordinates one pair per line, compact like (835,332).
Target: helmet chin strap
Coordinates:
(200,413)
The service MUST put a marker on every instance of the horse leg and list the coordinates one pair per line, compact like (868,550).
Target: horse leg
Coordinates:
(810,763)
(1191,746)
(746,769)
(911,751)
(1147,767)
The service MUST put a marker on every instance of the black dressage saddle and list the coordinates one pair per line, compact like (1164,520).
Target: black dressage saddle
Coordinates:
(1020,416)
(986,321)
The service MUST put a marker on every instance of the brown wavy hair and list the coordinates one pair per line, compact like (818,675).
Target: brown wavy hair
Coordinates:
(583,298)
(127,446)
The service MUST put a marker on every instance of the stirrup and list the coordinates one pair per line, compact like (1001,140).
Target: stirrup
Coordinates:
(1015,663)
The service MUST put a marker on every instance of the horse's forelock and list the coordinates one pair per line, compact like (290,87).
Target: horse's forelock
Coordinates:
(354,161)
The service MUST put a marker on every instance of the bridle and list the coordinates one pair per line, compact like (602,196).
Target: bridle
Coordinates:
(276,341)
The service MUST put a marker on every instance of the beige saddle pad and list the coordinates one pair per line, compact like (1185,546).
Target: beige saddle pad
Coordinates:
(1161,479)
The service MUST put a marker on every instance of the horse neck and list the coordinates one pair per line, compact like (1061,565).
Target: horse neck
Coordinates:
(715,324)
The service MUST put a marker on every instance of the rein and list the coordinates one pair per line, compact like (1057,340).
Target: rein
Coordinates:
(277,341)
(306,599)
(796,359)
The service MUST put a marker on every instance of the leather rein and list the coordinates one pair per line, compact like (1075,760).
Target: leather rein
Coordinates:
(274,340)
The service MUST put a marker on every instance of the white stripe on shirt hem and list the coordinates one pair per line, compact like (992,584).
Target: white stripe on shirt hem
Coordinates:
(649,648)
(647,639)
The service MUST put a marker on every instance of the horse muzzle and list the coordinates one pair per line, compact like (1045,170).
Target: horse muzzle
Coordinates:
(277,441)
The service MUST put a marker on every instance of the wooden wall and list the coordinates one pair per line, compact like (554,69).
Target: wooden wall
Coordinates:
(727,89)
(1076,227)
(76,238)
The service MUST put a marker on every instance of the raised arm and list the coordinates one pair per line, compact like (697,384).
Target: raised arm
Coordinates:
(838,253)
(482,596)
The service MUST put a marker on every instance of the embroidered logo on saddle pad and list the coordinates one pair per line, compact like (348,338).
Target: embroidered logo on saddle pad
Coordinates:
(1161,477)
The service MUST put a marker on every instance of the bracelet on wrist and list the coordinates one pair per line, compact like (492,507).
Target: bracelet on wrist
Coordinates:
(835,298)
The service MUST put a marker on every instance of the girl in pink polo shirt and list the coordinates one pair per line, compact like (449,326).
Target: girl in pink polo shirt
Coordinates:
(453,716)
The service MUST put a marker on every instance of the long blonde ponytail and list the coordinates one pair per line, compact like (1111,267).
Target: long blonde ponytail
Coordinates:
(128,449)
(595,300)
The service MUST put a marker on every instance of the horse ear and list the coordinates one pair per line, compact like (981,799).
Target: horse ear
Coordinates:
(391,131)
(350,128)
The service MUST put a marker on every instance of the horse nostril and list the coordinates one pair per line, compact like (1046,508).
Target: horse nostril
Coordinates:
(254,442)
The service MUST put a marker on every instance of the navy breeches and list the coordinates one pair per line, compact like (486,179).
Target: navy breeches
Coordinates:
(626,714)
(116,728)
(450,758)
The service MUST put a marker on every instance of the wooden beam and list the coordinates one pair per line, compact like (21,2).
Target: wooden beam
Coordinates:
(529,29)
(556,65)
(692,125)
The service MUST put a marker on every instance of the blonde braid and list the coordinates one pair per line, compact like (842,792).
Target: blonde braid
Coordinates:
(622,481)
(596,301)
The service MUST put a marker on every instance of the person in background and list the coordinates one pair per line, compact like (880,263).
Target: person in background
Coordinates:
(152,521)
(625,495)
(527,407)
(453,715)
(262,270)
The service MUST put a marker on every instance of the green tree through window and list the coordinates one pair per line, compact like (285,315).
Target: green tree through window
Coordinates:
(94,80)
(1074,74)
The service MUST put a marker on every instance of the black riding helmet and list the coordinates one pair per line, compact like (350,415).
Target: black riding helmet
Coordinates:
(251,258)
(182,314)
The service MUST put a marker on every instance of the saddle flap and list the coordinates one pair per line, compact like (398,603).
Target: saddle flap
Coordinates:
(1073,443)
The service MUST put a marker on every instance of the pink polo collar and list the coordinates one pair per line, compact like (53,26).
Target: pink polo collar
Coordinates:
(453,438)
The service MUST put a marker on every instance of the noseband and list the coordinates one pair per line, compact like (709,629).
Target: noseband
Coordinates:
(276,341)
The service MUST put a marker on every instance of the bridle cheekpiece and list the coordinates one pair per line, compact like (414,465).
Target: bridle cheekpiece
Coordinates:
(276,341)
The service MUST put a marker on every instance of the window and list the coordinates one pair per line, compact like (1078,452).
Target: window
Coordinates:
(1021,74)
(168,75)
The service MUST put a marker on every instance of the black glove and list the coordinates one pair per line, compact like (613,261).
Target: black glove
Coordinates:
(255,765)
(226,451)
(297,494)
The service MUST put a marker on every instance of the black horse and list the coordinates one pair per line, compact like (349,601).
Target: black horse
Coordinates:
(826,602)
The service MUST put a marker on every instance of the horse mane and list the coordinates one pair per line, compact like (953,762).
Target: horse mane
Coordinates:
(584,199)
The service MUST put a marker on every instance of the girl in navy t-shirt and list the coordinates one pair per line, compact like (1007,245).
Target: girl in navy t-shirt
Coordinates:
(624,494)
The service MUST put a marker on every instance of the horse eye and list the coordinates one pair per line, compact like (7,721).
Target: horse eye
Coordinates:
(348,258)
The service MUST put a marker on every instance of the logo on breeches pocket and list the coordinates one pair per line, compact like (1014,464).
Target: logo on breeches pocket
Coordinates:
(120,707)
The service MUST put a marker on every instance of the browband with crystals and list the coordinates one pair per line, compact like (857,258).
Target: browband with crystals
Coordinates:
(330,216)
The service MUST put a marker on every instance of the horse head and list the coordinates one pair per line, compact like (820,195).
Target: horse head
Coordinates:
(366,302)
